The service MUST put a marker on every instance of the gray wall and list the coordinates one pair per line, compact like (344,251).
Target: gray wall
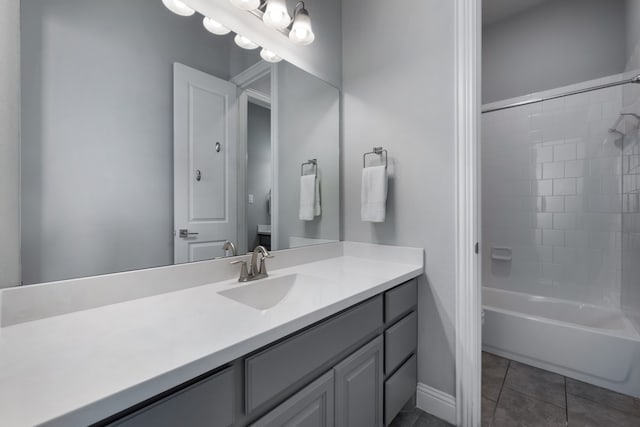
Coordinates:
(556,44)
(97,132)
(9,143)
(633,34)
(258,170)
(308,128)
(322,58)
(241,59)
(402,98)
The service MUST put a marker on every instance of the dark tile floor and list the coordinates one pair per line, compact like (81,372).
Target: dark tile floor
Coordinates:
(410,416)
(514,394)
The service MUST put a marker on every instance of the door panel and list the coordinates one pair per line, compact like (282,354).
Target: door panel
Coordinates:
(205,250)
(209,189)
(310,407)
(205,180)
(358,382)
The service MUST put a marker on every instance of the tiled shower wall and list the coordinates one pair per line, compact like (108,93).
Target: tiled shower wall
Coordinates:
(551,191)
(631,198)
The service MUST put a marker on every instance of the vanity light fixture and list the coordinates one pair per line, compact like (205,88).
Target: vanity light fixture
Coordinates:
(178,7)
(269,56)
(246,4)
(214,26)
(244,42)
(301,31)
(276,14)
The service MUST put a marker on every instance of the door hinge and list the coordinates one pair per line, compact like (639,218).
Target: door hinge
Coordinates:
(477,248)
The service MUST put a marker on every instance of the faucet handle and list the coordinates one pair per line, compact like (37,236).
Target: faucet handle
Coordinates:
(244,271)
(262,271)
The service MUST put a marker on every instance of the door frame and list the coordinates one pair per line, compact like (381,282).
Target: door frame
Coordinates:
(468,318)
(247,95)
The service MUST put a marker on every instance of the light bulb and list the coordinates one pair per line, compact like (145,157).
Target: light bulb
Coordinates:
(214,26)
(301,32)
(269,56)
(276,15)
(246,4)
(178,7)
(244,42)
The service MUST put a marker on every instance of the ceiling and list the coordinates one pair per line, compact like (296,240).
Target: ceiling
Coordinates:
(497,10)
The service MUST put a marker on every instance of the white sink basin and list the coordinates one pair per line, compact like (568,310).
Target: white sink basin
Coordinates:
(267,293)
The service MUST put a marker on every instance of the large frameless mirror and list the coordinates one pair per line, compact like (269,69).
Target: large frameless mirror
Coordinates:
(148,141)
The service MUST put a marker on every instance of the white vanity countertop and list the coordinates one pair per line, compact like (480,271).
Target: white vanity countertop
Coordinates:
(81,367)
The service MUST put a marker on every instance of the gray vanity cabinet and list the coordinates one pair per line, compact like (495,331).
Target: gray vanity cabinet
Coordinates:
(354,369)
(358,382)
(313,406)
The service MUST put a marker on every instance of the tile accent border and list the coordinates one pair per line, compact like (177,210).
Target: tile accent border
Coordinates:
(436,403)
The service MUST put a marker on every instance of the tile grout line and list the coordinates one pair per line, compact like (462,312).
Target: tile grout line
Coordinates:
(537,398)
(495,409)
(566,402)
(594,401)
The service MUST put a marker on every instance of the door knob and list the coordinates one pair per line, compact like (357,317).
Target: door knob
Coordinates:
(184,234)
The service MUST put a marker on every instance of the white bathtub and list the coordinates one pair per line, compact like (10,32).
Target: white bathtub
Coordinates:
(593,344)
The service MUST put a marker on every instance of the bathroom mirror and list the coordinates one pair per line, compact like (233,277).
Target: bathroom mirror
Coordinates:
(148,141)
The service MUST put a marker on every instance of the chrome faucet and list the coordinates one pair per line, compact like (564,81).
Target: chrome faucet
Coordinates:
(254,272)
(259,272)
(230,246)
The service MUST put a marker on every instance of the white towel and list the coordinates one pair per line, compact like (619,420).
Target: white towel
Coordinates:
(374,194)
(317,206)
(307,197)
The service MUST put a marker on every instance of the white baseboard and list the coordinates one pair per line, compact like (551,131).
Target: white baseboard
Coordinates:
(436,403)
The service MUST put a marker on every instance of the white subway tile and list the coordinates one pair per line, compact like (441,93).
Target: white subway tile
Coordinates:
(564,187)
(542,220)
(553,204)
(576,238)
(564,152)
(535,137)
(543,187)
(573,204)
(566,256)
(580,150)
(600,222)
(564,221)
(553,238)
(574,168)
(543,153)
(551,273)
(553,170)
(536,121)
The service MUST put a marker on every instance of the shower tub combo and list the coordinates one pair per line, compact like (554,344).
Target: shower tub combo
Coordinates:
(597,345)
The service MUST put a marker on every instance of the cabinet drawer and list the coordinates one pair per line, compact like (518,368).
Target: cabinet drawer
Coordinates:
(312,406)
(400,341)
(399,300)
(209,402)
(277,368)
(399,388)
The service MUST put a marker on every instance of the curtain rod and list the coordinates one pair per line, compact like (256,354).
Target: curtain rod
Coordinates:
(635,79)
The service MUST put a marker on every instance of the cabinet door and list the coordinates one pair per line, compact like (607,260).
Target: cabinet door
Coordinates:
(359,387)
(310,407)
